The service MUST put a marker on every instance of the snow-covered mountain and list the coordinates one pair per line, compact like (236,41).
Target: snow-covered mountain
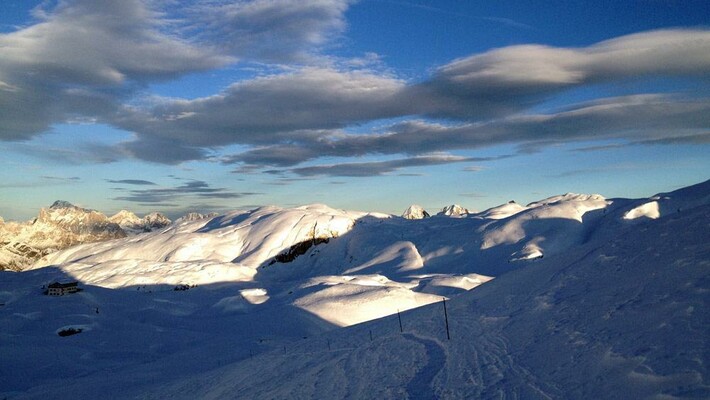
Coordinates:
(60,226)
(64,225)
(194,216)
(415,212)
(453,210)
(132,224)
(613,310)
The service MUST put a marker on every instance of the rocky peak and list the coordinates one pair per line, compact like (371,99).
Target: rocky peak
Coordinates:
(453,210)
(156,220)
(60,226)
(415,212)
(61,204)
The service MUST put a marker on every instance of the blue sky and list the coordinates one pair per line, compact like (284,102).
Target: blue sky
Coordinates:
(174,106)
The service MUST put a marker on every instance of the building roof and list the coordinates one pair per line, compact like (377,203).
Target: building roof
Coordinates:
(57,285)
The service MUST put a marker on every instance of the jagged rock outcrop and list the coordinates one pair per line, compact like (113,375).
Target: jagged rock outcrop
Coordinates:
(415,212)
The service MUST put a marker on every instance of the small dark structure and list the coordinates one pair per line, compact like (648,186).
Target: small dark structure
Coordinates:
(60,289)
(69,332)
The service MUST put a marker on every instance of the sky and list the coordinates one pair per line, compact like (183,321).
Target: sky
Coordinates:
(215,105)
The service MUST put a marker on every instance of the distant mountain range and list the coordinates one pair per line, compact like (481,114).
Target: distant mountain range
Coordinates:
(64,225)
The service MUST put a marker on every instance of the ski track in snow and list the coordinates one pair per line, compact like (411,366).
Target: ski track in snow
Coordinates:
(421,386)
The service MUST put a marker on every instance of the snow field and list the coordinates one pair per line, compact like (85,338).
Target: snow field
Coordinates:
(613,310)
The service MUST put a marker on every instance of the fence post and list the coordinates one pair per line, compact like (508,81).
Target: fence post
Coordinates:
(399,317)
(446,318)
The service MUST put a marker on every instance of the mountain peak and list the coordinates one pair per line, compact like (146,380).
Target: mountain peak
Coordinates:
(61,204)
(415,212)
(453,210)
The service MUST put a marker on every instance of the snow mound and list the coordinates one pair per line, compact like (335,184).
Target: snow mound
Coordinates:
(503,211)
(244,302)
(451,284)
(566,198)
(347,300)
(546,227)
(649,210)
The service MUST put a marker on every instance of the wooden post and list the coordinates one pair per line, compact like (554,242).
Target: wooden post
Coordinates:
(399,317)
(446,318)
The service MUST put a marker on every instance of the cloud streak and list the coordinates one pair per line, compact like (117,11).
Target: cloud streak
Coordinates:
(139,182)
(193,188)
(645,118)
(377,168)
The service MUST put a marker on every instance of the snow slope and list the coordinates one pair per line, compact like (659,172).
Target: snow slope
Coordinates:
(614,309)
(616,319)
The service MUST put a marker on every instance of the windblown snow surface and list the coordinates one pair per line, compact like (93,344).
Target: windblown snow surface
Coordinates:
(575,296)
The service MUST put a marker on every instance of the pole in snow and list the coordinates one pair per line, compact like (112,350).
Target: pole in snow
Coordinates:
(371,335)
(446,318)
(399,317)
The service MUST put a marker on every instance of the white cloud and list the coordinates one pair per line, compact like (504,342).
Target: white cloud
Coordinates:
(86,60)
(272,30)
(86,57)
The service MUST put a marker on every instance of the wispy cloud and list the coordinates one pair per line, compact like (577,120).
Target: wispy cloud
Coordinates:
(277,31)
(474,195)
(376,168)
(45,181)
(61,178)
(701,138)
(644,119)
(139,182)
(193,188)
